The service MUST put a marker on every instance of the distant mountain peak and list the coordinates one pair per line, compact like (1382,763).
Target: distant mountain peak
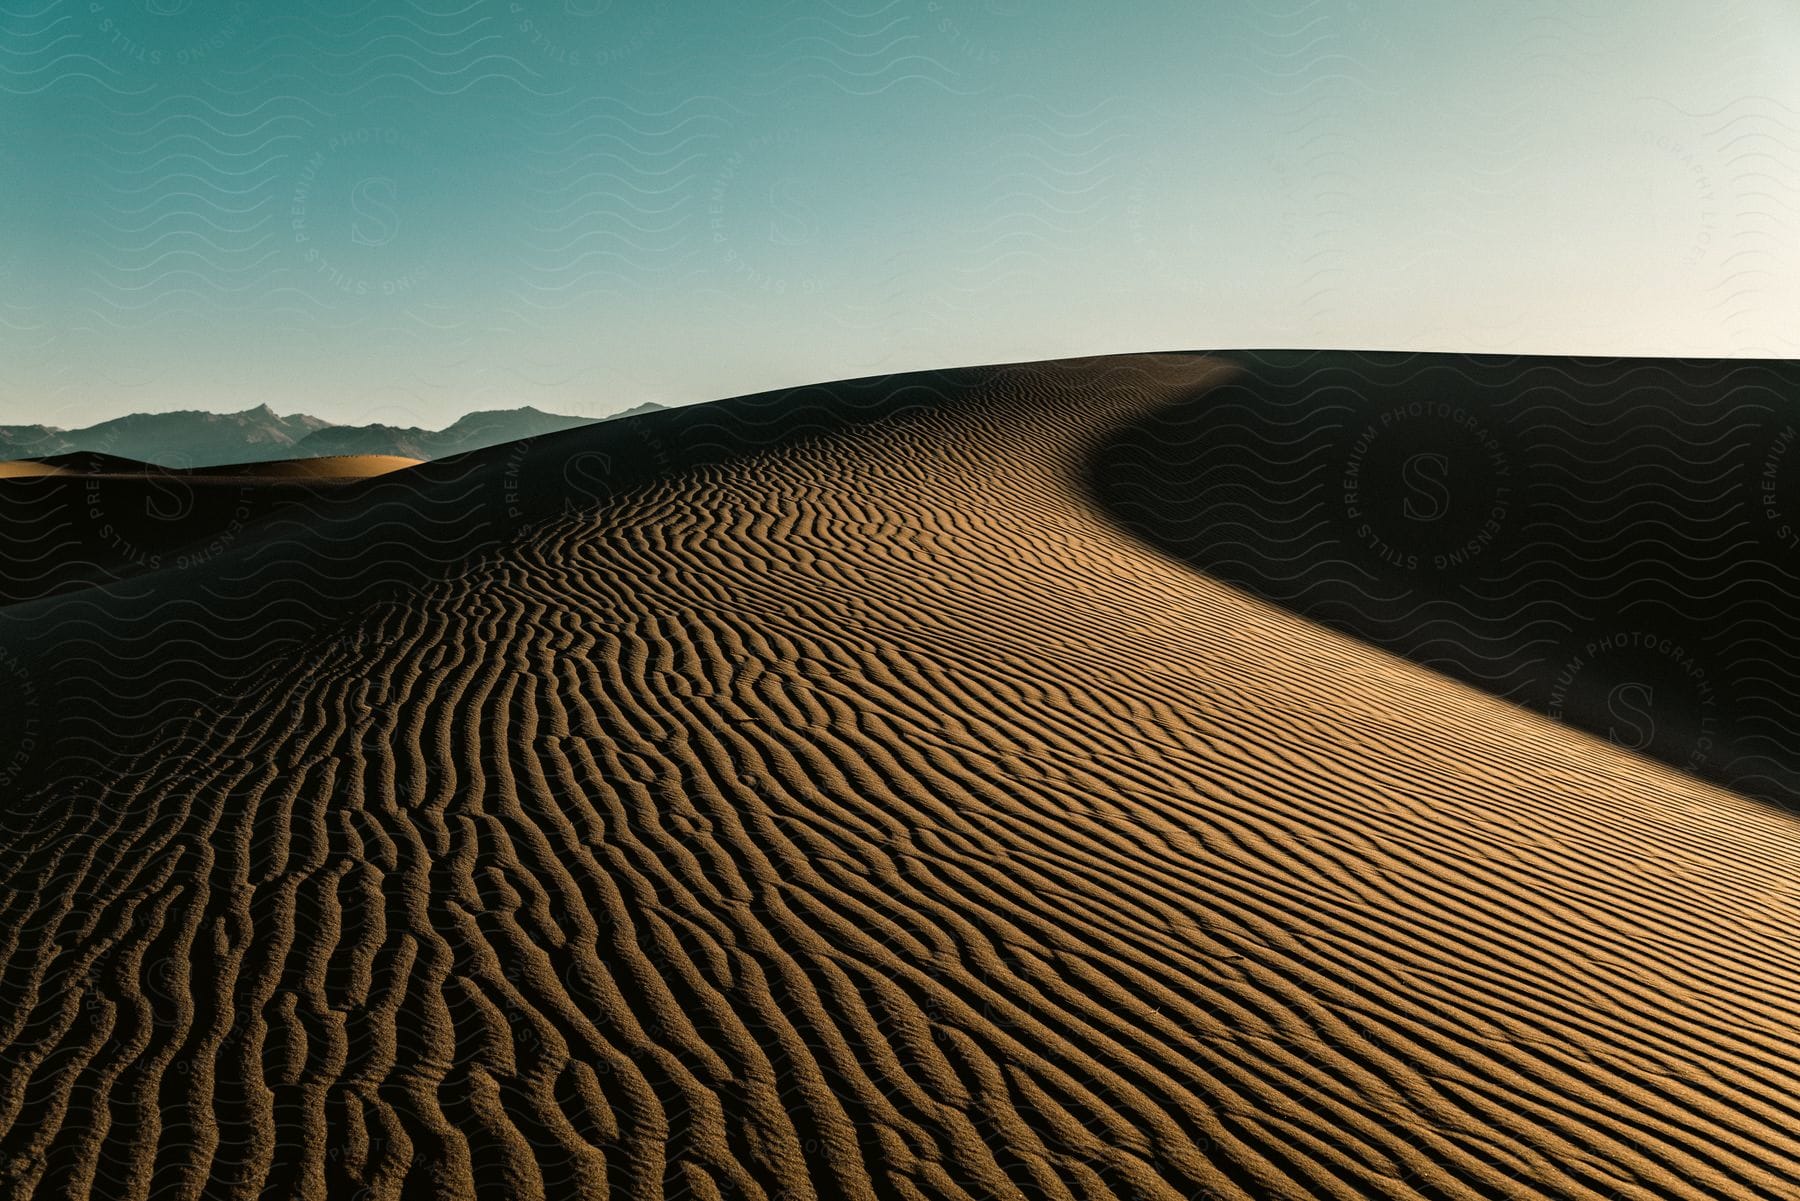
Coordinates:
(197,438)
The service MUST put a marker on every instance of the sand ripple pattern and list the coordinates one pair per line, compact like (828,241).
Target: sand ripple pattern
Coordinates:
(839,804)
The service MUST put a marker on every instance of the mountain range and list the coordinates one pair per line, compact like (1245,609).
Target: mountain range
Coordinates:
(193,438)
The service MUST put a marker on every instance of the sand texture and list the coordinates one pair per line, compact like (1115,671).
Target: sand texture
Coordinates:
(844,793)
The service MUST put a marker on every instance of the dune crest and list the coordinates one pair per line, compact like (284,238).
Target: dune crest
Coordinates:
(323,467)
(821,795)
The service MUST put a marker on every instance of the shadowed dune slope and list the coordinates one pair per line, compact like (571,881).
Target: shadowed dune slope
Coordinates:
(79,520)
(1615,542)
(818,795)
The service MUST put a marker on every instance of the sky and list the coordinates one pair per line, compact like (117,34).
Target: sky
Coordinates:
(401,212)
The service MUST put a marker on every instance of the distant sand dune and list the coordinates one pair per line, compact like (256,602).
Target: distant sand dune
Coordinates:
(820,795)
(19,469)
(79,520)
(324,467)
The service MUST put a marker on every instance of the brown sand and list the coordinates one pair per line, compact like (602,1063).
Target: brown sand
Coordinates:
(322,467)
(861,813)
(21,469)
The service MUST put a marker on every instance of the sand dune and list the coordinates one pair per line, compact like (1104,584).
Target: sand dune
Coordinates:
(323,467)
(826,794)
(84,519)
(94,462)
(1612,542)
(20,469)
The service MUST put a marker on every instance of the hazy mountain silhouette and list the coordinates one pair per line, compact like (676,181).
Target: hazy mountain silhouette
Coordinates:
(471,432)
(192,438)
(188,438)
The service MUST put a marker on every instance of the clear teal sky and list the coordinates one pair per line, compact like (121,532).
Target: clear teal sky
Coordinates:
(380,211)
